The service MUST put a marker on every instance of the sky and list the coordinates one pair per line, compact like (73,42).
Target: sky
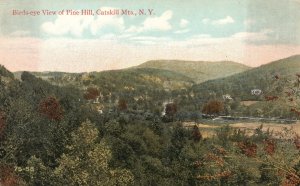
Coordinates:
(251,32)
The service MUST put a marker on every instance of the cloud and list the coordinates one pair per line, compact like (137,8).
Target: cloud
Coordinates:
(114,24)
(183,23)
(77,25)
(160,23)
(204,39)
(134,29)
(206,21)
(99,25)
(111,23)
(240,38)
(149,40)
(63,25)
(183,31)
(227,20)
(253,36)
(223,21)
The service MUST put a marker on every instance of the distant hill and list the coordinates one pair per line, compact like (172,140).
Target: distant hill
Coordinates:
(43,75)
(199,71)
(118,79)
(143,79)
(143,88)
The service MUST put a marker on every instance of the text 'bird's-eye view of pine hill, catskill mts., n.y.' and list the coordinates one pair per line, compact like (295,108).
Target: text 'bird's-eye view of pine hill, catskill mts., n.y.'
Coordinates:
(171,93)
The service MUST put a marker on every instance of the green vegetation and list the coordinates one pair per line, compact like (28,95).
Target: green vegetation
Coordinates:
(126,127)
(273,79)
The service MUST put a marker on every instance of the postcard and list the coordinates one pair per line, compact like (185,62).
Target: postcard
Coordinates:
(126,92)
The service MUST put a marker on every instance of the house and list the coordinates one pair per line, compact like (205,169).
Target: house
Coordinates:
(227,97)
(256,92)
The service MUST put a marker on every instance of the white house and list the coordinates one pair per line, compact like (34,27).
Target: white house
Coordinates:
(227,97)
(256,92)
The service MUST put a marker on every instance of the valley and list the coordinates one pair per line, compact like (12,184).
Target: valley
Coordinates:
(201,124)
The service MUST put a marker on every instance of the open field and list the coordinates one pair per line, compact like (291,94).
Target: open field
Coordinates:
(248,103)
(209,130)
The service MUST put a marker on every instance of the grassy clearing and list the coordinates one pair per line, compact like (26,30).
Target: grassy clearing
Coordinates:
(248,103)
(209,130)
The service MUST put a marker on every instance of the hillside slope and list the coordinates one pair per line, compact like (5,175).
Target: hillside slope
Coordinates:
(116,80)
(274,79)
(199,71)
(257,78)
(143,88)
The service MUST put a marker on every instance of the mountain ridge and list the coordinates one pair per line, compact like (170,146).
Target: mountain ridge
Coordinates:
(199,71)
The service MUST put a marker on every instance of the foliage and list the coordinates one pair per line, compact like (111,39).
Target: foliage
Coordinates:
(213,107)
(2,124)
(275,80)
(171,109)
(122,104)
(91,93)
(5,73)
(196,134)
(50,107)
(55,137)
(87,161)
(8,177)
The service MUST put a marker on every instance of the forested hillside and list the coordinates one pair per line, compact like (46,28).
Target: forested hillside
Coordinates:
(127,127)
(241,84)
(274,80)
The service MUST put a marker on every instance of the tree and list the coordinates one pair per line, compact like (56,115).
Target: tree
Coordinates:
(196,134)
(91,93)
(4,72)
(36,173)
(171,110)
(86,161)
(50,107)
(213,107)
(26,76)
(122,104)
(2,124)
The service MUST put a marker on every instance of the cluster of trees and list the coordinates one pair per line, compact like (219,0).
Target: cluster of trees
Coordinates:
(213,107)
(51,135)
(91,93)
